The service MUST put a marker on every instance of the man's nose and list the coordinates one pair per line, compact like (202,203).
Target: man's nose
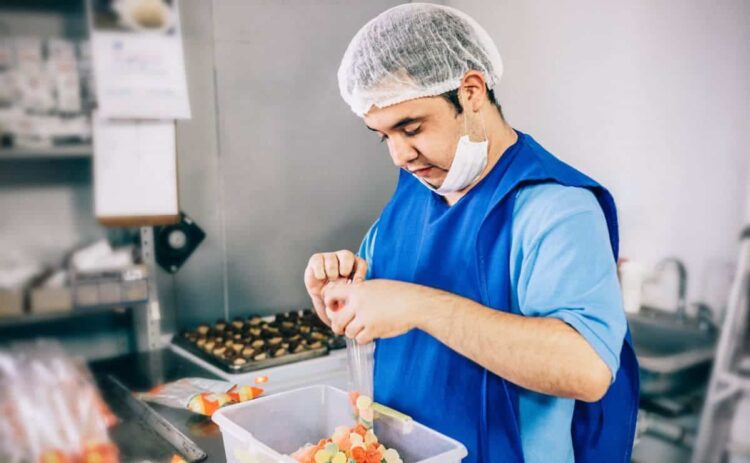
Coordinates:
(402,153)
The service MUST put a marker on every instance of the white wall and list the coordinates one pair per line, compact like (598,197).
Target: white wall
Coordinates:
(651,98)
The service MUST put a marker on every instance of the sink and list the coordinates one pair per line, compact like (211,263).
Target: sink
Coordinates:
(674,356)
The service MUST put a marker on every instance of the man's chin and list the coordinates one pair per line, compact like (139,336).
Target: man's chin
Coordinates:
(436,184)
(435,181)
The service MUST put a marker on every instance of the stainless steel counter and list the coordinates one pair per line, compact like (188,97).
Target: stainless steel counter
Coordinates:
(143,371)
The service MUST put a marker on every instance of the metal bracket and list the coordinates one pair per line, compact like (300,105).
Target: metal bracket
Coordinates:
(148,315)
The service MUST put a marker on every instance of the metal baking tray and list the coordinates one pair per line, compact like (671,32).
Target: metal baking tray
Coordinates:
(305,317)
(251,365)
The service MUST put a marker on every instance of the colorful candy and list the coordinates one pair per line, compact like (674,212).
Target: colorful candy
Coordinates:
(103,452)
(200,395)
(323,456)
(391,456)
(348,445)
(362,405)
(357,444)
(356,440)
(92,452)
(244,393)
(363,402)
(206,403)
(353,396)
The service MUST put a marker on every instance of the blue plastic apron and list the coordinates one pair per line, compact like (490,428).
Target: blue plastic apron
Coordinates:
(464,249)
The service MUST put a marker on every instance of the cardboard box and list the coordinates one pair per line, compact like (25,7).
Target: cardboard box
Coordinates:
(51,300)
(11,302)
(86,295)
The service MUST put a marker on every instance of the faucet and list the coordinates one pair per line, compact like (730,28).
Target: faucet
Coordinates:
(705,317)
(682,289)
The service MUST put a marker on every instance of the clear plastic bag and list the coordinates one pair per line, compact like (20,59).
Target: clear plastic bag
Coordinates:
(360,361)
(51,409)
(200,395)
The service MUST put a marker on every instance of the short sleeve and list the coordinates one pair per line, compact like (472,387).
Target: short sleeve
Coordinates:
(563,266)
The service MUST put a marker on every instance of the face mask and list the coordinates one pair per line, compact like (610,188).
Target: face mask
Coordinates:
(468,163)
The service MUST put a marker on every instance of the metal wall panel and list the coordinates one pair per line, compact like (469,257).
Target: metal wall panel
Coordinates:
(296,171)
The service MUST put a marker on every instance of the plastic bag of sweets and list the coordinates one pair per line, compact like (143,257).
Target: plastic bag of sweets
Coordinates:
(52,411)
(200,395)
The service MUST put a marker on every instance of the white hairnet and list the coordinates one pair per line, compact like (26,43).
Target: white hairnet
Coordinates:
(412,51)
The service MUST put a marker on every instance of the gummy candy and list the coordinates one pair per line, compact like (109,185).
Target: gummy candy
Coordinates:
(367,414)
(244,393)
(206,403)
(358,444)
(363,402)
(372,456)
(391,456)
(370,437)
(359,454)
(359,429)
(348,445)
(323,456)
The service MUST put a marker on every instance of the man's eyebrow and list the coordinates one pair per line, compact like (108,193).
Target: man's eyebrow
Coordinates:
(401,123)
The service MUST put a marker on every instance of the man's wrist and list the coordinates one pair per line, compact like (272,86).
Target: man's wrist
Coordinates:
(435,309)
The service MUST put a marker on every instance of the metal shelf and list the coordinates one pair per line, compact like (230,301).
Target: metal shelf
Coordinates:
(55,152)
(53,6)
(29,318)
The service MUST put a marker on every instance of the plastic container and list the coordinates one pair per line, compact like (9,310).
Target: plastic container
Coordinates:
(268,429)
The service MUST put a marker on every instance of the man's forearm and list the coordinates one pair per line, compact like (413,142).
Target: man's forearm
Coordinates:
(541,354)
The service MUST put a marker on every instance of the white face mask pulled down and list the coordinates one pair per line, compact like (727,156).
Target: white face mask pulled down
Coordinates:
(468,163)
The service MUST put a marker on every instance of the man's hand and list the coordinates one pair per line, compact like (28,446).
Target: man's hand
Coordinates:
(325,267)
(375,309)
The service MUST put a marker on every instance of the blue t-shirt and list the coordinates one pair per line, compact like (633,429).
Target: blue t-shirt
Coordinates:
(561,266)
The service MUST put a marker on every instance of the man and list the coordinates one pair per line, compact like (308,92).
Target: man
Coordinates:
(489,280)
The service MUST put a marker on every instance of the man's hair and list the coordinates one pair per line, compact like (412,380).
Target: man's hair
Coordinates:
(452,97)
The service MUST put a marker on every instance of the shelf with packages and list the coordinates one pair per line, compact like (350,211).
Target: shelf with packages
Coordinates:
(113,291)
(66,152)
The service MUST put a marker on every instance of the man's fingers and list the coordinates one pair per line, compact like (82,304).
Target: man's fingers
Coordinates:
(346,262)
(316,264)
(334,265)
(321,311)
(341,319)
(360,269)
(363,337)
(331,266)
(353,329)
(335,295)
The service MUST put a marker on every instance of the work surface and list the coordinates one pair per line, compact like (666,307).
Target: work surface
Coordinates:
(140,372)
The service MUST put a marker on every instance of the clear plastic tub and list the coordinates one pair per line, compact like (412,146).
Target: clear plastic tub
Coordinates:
(268,429)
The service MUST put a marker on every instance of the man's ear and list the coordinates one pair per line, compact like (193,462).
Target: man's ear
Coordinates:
(474,89)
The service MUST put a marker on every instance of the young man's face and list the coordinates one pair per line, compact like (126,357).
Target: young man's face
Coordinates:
(421,134)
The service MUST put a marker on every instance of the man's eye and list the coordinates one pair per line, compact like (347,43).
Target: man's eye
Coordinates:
(412,131)
(383,138)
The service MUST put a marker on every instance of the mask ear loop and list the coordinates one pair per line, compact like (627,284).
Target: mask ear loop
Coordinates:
(484,128)
(466,128)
